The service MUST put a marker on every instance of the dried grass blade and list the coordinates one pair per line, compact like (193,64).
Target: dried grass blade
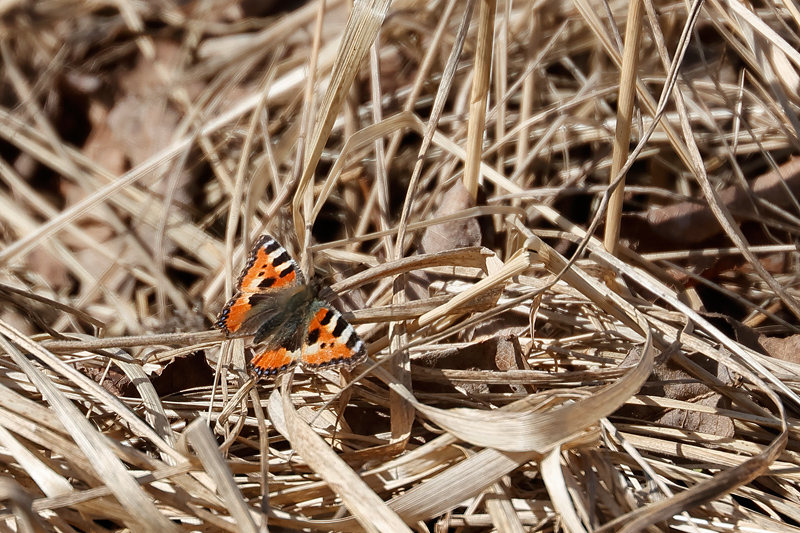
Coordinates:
(366,506)
(721,212)
(154,409)
(194,240)
(500,508)
(768,33)
(95,390)
(431,128)
(657,288)
(51,483)
(205,445)
(515,266)
(17,499)
(553,476)
(79,468)
(465,257)
(407,119)
(480,95)
(357,141)
(533,431)
(728,480)
(528,431)
(591,17)
(362,27)
(622,135)
(721,484)
(110,468)
(465,480)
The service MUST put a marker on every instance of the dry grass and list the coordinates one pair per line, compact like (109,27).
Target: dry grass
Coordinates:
(522,378)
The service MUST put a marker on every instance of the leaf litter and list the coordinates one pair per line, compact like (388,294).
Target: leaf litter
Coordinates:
(438,165)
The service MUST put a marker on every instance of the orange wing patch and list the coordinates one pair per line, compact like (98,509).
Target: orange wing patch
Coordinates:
(234,314)
(269,267)
(272,361)
(331,341)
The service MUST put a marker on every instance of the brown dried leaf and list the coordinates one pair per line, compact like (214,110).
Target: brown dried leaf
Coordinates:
(691,222)
(113,380)
(497,354)
(449,235)
(670,381)
(452,234)
(49,268)
(787,349)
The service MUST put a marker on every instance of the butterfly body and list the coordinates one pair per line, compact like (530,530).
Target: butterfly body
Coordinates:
(288,320)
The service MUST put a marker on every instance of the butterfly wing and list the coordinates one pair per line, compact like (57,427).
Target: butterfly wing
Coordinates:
(282,336)
(330,341)
(272,361)
(267,281)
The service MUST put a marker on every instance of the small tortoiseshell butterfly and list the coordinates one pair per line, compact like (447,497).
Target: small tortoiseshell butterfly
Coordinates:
(286,316)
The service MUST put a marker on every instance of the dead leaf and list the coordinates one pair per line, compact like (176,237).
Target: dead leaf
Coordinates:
(670,381)
(499,353)
(453,234)
(785,349)
(450,235)
(51,270)
(693,222)
(114,381)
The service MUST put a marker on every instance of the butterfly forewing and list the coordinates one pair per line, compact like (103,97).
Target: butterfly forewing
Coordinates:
(269,267)
(267,274)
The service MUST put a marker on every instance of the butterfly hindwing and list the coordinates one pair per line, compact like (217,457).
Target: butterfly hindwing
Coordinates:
(272,361)
(330,341)
(277,342)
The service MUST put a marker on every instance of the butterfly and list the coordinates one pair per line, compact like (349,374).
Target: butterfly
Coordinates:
(289,322)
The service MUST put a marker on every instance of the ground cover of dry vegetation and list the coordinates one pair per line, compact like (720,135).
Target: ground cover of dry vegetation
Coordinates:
(566,231)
